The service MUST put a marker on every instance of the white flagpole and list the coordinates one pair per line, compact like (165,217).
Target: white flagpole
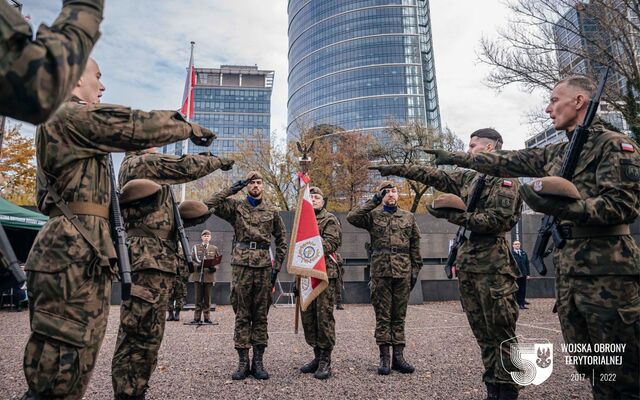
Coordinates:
(185,143)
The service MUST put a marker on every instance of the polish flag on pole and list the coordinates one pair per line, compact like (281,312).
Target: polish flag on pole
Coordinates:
(187,95)
(306,257)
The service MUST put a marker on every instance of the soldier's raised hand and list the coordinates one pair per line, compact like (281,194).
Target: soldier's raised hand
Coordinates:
(377,198)
(444,157)
(386,170)
(201,136)
(226,163)
(239,185)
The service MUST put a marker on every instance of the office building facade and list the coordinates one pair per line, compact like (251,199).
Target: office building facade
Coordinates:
(358,64)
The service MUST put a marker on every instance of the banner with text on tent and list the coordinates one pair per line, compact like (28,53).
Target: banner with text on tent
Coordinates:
(306,257)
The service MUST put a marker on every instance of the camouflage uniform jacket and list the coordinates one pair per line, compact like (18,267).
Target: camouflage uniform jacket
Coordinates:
(36,76)
(199,253)
(607,177)
(157,247)
(389,231)
(251,224)
(331,234)
(72,150)
(497,211)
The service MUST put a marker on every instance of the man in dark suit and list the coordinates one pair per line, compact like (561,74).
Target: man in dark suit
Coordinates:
(523,264)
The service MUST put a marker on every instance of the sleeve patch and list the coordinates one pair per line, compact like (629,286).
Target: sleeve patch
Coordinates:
(507,183)
(628,147)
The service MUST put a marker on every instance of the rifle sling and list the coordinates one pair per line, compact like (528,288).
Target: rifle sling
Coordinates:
(585,232)
(81,208)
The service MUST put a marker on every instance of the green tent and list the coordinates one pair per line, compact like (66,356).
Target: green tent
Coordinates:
(13,216)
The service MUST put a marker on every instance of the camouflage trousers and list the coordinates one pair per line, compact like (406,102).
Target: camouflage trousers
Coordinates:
(250,299)
(390,297)
(142,320)
(318,322)
(68,312)
(492,311)
(597,310)
(178,297)
(203,299)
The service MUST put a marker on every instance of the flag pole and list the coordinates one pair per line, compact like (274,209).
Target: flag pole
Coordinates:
(185,143)
(305,162)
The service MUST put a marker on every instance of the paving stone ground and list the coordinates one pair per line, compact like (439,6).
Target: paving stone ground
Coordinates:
(196,363)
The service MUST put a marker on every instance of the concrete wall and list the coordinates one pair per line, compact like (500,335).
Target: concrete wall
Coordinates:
(436,234)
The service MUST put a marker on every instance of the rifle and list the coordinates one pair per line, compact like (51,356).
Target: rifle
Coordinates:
(119,236)
(460,235)
(549,224)
(182,235)
(8,254)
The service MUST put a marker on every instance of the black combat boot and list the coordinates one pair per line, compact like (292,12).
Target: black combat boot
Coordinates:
(257,368)
(123,396)
(312,366)
(493,391)
(324,365)
(399,363)
(176,315)
(339,306)
(243,365)
(508,391)
(385,360)
(171,317)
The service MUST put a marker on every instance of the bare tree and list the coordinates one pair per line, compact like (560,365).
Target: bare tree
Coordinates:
(527,49)
(399,148)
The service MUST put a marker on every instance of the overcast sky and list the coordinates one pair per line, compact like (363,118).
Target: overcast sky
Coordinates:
(144,50)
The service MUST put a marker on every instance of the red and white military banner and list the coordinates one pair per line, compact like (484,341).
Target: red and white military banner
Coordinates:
(306,257)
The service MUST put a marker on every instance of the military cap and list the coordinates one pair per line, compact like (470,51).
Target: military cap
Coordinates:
(254,175)
(191,209)
(556,186)
(448,200)
(386,184)
(138,189)
(488,133)
(316,190)
(206,232)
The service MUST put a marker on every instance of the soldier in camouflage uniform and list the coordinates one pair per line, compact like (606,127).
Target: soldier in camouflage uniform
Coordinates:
(178,296)
(36,76)
(598,269)
(486,269)
(255,223)
(317,320)
(153,246)
(199,253)
(69,275)
(395,264)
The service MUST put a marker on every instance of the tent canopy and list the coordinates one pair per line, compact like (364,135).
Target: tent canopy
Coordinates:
(15,216)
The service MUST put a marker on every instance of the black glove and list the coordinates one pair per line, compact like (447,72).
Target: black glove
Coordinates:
(391,169)
(444,157)
(226,163)
(201,136)
(561,207)
(239,185)
(274,277)
(188,223)
(377,198)
(212,269)
(445,213)
(414,279)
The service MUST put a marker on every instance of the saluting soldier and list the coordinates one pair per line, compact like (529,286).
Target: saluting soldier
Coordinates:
(68,321)
(203,280)
(598,269)
(486,269)
(395,264)
(37,76)
(153,243)
(255,222)
(317,320)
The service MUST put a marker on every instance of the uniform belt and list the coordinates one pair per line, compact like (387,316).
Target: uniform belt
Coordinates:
(391,250)
(82,208)
(583,232)
(476,235)
(138,232)
(253,245)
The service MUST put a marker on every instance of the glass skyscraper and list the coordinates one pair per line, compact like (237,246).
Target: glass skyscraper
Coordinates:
(358,64)
(235,102)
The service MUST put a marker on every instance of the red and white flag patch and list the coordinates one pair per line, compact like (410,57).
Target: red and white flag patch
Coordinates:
(627,147)
(507,183)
